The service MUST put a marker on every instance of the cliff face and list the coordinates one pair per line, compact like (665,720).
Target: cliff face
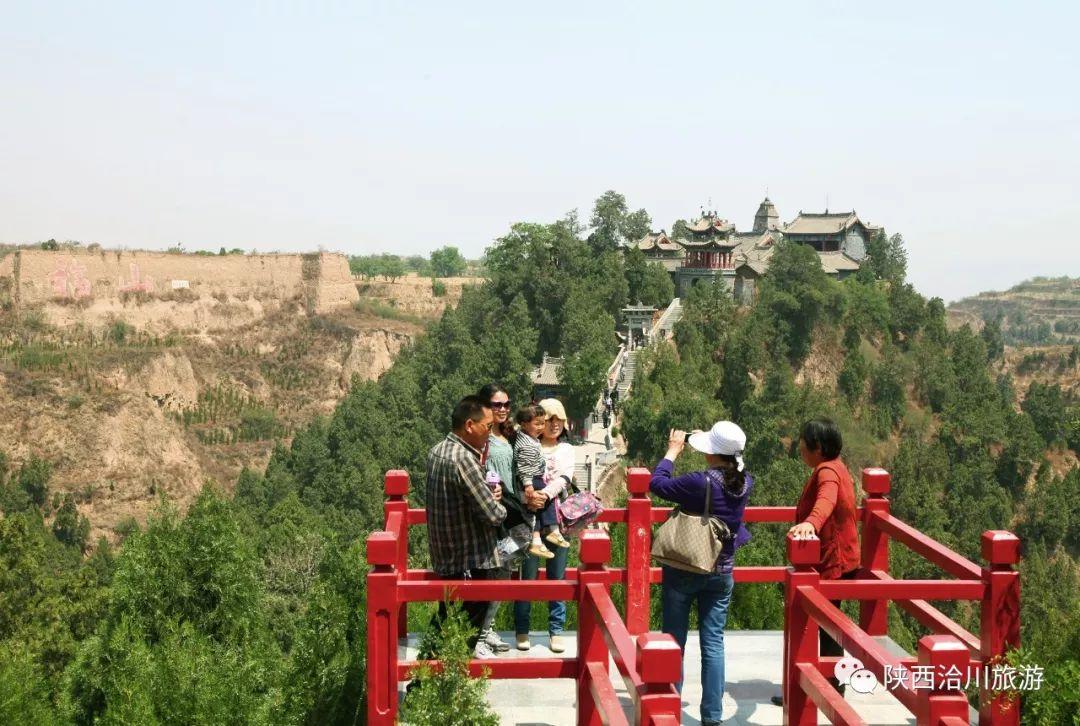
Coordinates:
(124,422)
(135,387)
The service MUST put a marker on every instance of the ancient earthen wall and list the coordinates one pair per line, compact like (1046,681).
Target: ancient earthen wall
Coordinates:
(322,280)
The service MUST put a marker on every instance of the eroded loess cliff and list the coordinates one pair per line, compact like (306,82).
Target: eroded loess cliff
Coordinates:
(139,399)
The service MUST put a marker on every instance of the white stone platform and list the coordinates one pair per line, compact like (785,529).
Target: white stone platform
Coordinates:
(753,673)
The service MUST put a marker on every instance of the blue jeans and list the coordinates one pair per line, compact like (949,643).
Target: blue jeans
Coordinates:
(556,570)
(712,593)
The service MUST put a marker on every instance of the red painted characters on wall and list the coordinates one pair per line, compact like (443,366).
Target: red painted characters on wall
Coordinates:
(69,280)
(136,283)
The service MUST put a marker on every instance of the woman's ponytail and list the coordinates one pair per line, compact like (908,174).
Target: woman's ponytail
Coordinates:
(734,480)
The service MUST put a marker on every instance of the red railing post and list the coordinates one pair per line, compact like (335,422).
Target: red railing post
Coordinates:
(874,614)
(382,629)
(659,663)
(800,630)
(947,659)
(1000,622)
(638,550)
(595,552)
(396,485)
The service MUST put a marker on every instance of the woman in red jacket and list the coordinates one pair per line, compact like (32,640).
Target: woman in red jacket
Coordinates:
(826,510)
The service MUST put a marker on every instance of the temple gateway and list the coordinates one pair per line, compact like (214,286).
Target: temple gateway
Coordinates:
(712,249)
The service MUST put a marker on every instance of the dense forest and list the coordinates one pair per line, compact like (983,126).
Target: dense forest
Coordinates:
(250,608)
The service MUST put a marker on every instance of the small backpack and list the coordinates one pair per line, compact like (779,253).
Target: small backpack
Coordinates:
(577,512)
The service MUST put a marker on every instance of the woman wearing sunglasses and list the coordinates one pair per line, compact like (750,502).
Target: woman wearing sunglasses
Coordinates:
(500,459)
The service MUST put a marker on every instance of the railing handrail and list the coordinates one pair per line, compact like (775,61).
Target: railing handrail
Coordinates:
(930,549)
(809,607)
(392,585)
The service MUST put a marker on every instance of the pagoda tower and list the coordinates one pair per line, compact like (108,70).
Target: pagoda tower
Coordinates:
(767,218)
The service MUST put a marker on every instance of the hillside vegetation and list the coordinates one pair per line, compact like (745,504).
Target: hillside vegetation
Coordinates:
(966,455)
(250,608)
(1039,311)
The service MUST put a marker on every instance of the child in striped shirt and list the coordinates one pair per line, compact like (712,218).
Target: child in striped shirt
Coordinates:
(530,470)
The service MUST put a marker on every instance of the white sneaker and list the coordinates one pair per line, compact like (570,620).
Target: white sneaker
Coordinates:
(492,638)
(483,650)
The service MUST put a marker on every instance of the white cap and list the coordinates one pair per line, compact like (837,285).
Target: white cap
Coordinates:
(725,437)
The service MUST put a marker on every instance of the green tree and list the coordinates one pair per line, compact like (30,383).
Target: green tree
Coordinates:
(658,289)
(420,265)
(366,266)
(887,258)
(614,224)
(448,697)
(852,378)
(647,282)
(25,691)
(887,395)
(588,339)
(185,636)
(908,313)
(69,526)
(795,295)
(391,267)
(1046,406)
(991,335)
(543,263)
(447,262)
(1022,450)
(635,266)
(867,308)
(934,329)
(33,480)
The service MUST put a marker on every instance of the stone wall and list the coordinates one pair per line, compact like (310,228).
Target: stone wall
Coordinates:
(322,281)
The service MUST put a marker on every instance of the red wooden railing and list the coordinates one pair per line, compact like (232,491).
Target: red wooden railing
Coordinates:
(649,663)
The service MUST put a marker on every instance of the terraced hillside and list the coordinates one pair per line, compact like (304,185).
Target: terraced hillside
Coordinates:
(1039,311)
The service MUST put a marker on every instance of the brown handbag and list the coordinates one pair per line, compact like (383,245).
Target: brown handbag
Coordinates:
(691,542)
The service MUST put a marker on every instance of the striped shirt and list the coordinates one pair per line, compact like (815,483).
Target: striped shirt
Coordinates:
(528,460)
(463,516)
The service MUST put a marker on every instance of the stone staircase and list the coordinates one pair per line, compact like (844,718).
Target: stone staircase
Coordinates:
(667,321)
(627,377)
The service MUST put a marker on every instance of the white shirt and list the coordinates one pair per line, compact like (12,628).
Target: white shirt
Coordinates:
(562,460)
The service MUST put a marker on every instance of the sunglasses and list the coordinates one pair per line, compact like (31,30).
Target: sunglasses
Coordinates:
(499,405)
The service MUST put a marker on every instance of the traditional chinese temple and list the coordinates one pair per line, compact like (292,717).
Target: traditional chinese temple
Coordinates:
(713,250)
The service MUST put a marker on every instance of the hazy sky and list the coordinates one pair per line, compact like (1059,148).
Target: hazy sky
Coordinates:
(401,127)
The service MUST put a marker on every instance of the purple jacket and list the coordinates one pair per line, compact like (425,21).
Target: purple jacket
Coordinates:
(688,491)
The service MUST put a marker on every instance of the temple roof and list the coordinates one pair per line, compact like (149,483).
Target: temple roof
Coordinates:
(547,373)
(835,262)
(822,223)
(710,222)
(710,243)
(709,232)
(656,241)
(757,257)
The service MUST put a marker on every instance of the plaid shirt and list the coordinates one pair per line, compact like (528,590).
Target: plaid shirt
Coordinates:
(463,516)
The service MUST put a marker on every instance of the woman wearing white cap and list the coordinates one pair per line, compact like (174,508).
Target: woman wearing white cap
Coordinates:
(731,484)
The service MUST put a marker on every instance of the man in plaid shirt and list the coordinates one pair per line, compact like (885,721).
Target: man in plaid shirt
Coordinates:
(464,513)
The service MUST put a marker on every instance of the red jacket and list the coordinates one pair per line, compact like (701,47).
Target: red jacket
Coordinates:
(828,503)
